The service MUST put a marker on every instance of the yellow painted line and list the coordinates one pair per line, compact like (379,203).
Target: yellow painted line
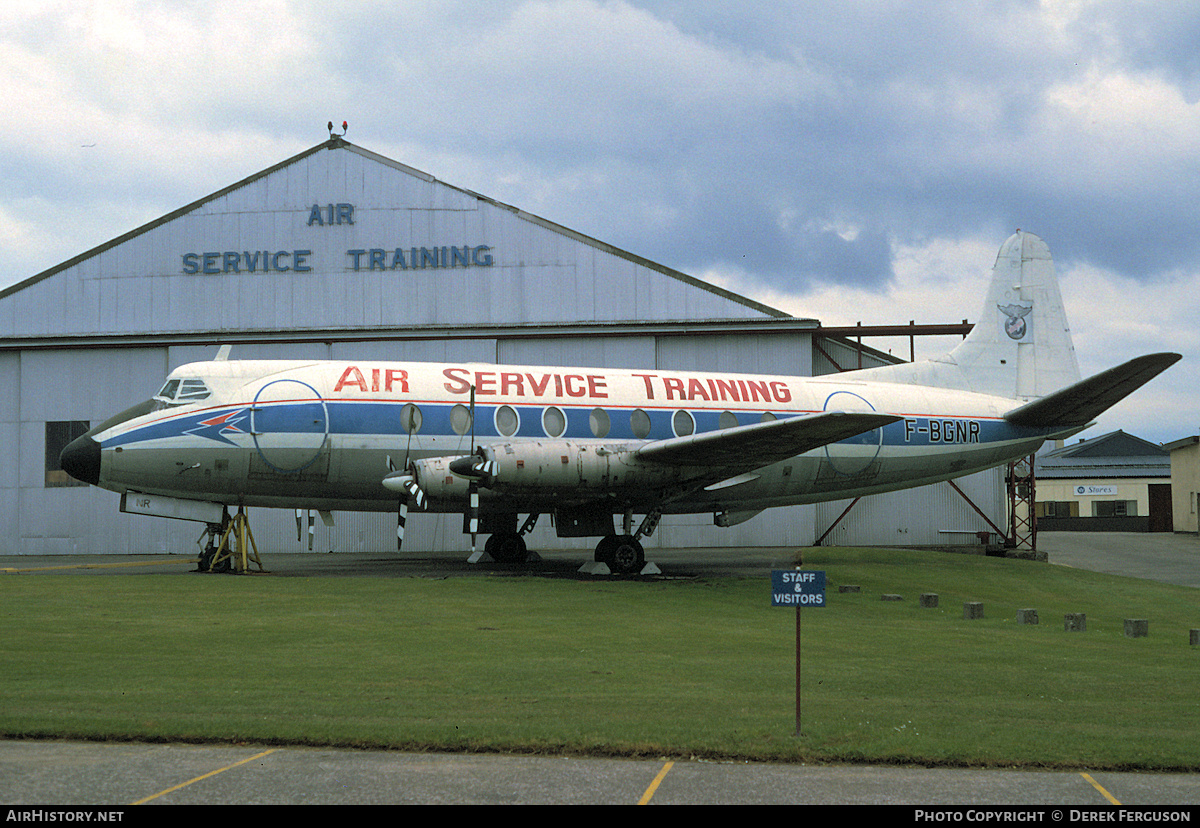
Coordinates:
(95,566)
(205,776)
(1112,799)
(649,794)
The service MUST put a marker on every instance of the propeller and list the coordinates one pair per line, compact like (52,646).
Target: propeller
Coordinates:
(300,516)
(404,481)
(471,518)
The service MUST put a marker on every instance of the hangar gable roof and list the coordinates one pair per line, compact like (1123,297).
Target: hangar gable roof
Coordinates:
(338,237)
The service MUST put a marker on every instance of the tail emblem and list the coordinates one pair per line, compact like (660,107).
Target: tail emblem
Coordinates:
(1014,320)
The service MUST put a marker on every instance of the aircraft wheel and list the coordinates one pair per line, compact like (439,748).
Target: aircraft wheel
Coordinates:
(506,547)
(623,554)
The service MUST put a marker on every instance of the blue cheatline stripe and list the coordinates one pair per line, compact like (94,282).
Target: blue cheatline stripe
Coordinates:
(383,418)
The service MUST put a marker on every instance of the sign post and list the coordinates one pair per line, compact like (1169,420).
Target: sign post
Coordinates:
(797,588)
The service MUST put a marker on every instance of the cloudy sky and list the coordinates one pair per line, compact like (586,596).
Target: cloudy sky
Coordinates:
(848,161)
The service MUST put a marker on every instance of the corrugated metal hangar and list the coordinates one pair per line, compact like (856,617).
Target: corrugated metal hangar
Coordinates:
(341,253)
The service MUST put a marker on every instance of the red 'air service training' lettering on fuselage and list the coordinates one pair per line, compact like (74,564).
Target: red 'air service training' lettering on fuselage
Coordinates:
(531,385)
(394,379)
(716,389)
(514,384)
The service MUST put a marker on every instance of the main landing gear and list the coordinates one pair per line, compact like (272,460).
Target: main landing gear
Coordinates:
(506,547)
(622,554)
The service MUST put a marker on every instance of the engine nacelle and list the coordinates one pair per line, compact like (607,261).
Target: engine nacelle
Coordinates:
(434,477)
(545,466)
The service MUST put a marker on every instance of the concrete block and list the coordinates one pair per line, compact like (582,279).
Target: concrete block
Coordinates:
(972,610)
(1075,622)
(1027,616)
(929,600)
(1136,627)
(891,597)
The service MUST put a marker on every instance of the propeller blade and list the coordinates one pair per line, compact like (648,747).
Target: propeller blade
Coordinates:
(401,519)
(405,483)
(471,518)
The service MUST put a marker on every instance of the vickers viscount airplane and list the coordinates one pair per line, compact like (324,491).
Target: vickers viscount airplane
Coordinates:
(495,442)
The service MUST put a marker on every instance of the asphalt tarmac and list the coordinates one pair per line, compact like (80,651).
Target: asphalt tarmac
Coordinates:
(71,781)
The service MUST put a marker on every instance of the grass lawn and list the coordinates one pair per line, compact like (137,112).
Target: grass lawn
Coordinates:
(675,668)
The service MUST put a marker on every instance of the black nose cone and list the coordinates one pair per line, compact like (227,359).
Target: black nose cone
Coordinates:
(81,459)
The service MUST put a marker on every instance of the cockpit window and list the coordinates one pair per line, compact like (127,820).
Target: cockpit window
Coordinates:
(182,392)
(192,390)
(168,391)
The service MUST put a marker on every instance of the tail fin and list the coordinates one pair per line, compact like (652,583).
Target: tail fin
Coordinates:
(1021,346)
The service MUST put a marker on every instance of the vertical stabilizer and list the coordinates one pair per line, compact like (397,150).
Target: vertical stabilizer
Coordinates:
(1021,345)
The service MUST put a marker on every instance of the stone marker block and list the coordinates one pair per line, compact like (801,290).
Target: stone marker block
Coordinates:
(887,596)
(849,588)
(1075,622)
(1027,616)
(1194,638)
(929,600)
(1136,627)
(973,609)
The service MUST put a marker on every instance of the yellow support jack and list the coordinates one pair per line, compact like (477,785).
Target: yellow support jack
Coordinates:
(237,546)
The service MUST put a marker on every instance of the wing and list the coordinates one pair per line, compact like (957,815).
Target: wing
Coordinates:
(1082,402)
(744,448)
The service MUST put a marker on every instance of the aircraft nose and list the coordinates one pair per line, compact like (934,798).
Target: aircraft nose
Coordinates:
(81,459)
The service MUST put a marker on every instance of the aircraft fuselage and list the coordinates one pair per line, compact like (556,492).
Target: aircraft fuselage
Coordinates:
(322,435)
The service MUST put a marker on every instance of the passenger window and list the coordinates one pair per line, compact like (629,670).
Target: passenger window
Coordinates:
(460,419)
(767,417)
(727,420)
(683,424)
(639,421)
(410,418)
(507,420)
(554,422)
(599,422)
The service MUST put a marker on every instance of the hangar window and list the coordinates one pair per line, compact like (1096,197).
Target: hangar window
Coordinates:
(507,420)
(639,421)
(554,421)
(683,424)
(599,422)
(460,419)
(727,420)
(58,434)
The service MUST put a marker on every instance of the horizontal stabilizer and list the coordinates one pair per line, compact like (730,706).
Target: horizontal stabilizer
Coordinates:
(753,446)
(1082,402)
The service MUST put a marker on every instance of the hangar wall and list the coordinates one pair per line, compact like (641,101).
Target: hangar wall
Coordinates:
(341,253)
